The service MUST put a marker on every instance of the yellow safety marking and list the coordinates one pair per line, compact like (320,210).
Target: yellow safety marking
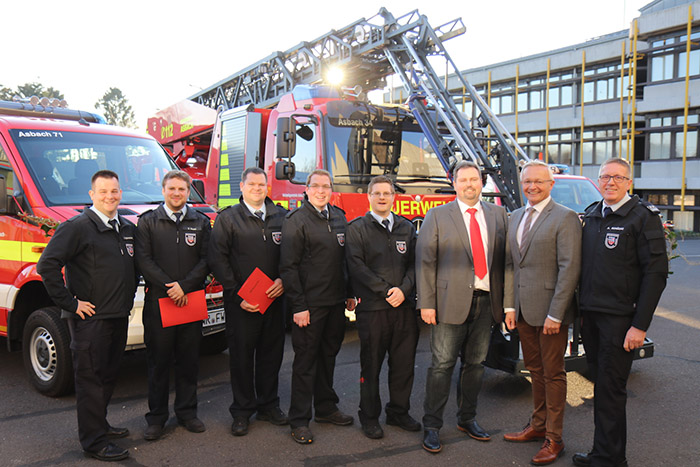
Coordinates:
(3,328)
(224,190)
(224,175)
(224,145)
(227,202)
(284,203)
(14,250)
(224,160)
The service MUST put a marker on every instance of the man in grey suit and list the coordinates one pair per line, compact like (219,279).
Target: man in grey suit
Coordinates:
(544,247)
(460,274)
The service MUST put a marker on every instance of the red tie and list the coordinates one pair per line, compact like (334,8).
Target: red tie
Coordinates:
(477,245)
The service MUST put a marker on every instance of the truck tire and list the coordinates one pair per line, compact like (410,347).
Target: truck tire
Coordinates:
(213,344)
(46,353)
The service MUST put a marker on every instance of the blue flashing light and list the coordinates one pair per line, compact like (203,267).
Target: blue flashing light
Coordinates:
(307,91)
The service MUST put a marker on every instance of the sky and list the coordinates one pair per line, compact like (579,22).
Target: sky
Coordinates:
(160,52)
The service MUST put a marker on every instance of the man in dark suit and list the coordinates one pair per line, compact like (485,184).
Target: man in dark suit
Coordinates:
(544,247)
(623,273)
(460,277)
(171,253)
(247,236)
(97,250)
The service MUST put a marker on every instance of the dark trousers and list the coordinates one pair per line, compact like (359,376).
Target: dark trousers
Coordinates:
(97,347)
(176,345)
(447,342)
(543,355)
(610,364)
(315,348)
(256,348)
(392,330)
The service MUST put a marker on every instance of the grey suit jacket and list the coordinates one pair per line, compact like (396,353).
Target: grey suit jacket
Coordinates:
(546,274)
(444,265)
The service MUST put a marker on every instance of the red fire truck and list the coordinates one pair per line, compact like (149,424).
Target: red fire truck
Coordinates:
(47,157)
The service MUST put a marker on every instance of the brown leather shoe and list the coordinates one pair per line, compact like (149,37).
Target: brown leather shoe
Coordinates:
(528,434)
(549,452)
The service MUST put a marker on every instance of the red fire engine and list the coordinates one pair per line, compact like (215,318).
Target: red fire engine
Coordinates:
(47,157)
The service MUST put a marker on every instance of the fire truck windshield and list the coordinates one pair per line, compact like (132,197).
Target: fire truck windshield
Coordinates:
(363,140)
(62,164)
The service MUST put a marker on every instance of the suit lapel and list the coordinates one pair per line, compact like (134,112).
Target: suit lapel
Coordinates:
(533,228)
(490,217)
(458,219)
(516,219)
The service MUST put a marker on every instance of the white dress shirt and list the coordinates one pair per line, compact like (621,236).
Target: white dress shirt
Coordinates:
(480,284)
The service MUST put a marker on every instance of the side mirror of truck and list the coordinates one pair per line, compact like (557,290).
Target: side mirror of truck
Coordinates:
(286,137)
(3,194)
(284,170)
(199,186)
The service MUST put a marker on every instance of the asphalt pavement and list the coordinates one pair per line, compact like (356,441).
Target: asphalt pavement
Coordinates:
(663,409)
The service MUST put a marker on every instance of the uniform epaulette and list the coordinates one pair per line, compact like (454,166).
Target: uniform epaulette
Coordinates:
(222,210)
(146,212)
(357,219)
(291,212)
(649,206)
(339,209)
(590,206)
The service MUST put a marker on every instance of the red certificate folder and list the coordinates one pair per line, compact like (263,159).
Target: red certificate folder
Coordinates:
(195,310)
(253,290)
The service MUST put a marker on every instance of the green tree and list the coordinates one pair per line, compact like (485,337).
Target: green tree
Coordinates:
(116,109)
(29,90)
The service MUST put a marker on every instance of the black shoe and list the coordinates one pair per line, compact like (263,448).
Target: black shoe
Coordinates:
(193,425)
(115,432)
(302,435)
(274,416)
(109,453)
(404,421)
(239,426)
(474,430)
(153,432)
(581,459)
(336,418)
(431,440)
(372,430)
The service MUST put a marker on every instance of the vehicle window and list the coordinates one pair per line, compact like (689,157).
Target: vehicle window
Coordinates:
(305,156)
(575,193)
(62,165)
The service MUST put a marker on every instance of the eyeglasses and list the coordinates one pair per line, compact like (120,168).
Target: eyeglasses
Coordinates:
(616,178)
(537,182)
(316,186)
(384,194)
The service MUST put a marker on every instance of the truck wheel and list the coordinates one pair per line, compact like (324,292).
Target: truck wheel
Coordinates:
(46,353)
(213,344)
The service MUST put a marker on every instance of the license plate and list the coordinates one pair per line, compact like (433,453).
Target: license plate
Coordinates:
(217,316)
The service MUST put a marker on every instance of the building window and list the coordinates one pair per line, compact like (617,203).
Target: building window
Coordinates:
(668,56)
(665,136)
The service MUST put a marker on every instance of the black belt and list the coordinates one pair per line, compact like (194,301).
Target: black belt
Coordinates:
(480,293)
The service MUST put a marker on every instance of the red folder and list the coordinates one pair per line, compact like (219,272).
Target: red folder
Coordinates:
(195,310)
(253,290)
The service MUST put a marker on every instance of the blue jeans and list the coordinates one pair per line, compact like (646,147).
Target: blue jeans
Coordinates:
(470,340)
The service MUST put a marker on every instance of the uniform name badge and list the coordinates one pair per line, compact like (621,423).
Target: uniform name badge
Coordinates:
(611,240)
(341,239)
(190,238)
(401,247)
(277,237)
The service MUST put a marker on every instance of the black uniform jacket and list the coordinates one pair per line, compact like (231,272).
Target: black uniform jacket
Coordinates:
(99,266)
(166,253)
(379,260)
(241,242)
(312,263)
(624,263)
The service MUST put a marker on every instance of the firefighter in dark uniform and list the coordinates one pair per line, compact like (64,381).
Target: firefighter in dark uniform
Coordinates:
(313,270)
(380,252)
(248,236)
(171,253)
(97,250)
(623,273)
